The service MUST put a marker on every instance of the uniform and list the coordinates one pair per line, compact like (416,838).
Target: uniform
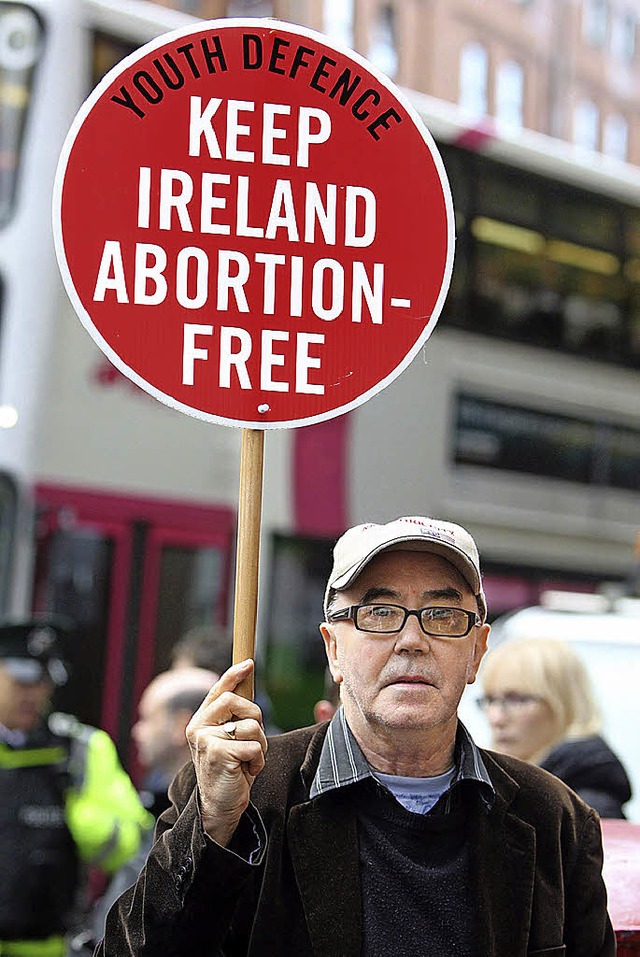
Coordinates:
(66,802)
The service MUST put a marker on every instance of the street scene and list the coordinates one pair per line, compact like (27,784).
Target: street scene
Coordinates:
(319,477)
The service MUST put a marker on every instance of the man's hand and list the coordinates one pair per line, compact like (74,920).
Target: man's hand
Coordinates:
(226,760)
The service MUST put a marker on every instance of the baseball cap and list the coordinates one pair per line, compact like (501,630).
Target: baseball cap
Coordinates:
(355,549)
(32,650)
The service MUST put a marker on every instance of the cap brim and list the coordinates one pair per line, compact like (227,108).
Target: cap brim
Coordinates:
(26,671)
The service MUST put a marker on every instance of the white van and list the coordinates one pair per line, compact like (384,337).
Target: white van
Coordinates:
(605,632)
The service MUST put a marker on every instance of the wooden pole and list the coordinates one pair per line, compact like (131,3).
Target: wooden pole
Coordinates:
(248,551)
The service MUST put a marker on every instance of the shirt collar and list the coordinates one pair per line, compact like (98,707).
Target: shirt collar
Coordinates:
(342,762)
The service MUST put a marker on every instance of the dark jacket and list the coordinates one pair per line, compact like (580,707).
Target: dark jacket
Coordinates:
(592,770)
(538,879)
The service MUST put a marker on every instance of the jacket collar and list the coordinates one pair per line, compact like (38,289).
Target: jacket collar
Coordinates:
(342,763)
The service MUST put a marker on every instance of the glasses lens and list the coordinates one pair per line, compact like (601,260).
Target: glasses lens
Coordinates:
(381,618)
(452,622)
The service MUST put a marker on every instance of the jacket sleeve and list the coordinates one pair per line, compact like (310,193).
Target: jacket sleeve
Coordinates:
(104,813)
(186,896)
(588,930)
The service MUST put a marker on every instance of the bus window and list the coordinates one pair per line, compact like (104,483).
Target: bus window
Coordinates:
(8,509)
(195,573)
(74,579)
(21,36)
(107,51)
(533,442)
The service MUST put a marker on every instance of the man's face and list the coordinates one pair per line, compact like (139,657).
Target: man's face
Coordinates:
(408,680)
(22,705)
(155,732)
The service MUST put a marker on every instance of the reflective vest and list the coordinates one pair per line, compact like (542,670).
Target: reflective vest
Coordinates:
(65,800)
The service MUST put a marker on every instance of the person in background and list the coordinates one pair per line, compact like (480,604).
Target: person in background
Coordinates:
(211,647)
(166,707)
(386,831)
(203,646)
(65,800)
(540,705)
(326,707)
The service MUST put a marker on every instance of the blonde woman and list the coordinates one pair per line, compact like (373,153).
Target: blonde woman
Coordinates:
(539,702)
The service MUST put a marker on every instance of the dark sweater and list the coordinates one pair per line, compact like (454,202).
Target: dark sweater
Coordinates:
(590,768)
(416,878)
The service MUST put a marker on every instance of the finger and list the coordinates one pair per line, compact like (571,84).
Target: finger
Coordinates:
(244,730)
(226,757)
(218,740)
(228,681)
(226,707)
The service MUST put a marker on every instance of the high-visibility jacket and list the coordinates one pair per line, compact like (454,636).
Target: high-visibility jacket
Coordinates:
(65,800)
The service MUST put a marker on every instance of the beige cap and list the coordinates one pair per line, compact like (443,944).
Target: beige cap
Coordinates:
(360,544)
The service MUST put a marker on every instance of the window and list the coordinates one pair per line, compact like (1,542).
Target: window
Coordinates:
(519,439)
(615,136)
(595,15)
(623,36)
(249,8)
(21,43)
(473,78)
(8,517)
(382,50)
(509,93)
(586,120)
(338,20)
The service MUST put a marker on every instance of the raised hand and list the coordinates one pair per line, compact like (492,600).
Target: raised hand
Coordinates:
(228,747)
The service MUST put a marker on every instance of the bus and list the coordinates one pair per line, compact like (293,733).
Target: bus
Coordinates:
(520,419)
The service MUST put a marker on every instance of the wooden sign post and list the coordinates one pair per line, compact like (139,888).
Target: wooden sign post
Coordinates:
(248,551)
(256,228)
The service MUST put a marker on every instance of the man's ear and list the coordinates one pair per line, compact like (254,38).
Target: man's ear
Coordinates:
(482,638)
(328,636)
(180,720)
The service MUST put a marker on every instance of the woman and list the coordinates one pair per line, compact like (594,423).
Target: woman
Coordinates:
(539,703)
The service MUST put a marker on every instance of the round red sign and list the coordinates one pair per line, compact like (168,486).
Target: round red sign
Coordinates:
(253,225)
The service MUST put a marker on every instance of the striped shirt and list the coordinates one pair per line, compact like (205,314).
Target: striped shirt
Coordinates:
(343,763)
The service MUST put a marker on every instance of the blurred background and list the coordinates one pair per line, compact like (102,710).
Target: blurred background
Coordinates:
(521,419)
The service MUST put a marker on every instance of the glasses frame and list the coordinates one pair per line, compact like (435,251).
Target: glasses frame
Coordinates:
(509,703)
(350,613)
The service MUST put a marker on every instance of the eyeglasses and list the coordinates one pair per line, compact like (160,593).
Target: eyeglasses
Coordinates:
(510,703)
(437,621)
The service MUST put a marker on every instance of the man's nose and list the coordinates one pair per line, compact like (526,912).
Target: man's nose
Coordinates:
(412,637)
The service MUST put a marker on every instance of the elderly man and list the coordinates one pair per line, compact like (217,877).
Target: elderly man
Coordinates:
(386,831)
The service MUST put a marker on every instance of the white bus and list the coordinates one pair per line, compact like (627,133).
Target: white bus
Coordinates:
(521,419)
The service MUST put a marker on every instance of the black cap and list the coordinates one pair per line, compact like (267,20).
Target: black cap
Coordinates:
(32,650)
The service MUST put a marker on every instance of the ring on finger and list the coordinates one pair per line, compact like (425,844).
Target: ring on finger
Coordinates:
(229,728)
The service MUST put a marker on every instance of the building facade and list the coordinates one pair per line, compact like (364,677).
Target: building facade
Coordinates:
(566,68)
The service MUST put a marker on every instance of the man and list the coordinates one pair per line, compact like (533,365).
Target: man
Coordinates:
(64,798)
(211,647)
(386,831)
(166,707)
(203,646)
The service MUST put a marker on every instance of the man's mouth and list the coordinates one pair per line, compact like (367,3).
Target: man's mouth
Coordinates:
(409,680)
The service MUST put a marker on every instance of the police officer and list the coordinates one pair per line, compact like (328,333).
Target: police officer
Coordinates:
(65,800)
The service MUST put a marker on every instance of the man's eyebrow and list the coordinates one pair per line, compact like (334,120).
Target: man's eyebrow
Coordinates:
(377,592)
(434,594)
